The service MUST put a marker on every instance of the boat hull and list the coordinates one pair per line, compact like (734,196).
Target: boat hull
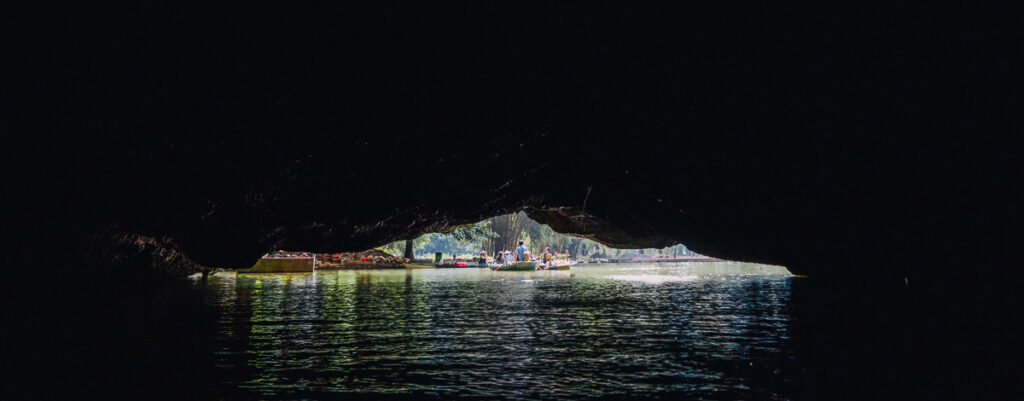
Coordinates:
(516,267)
(287,265)
(356,265)
(459,267)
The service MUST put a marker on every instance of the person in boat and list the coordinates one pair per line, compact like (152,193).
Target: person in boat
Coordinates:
(499,258)
(483,258)
(521,253)
(547,255)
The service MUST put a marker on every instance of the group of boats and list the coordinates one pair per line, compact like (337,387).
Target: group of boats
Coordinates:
(557,264)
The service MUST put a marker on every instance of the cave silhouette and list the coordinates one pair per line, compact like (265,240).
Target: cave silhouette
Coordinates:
(872,151)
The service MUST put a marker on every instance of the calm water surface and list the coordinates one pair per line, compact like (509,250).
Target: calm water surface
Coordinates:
(702,330)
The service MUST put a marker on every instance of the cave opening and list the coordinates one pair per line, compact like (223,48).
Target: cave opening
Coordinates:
(491,241)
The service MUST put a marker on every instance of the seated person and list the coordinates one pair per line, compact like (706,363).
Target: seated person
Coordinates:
(522,254)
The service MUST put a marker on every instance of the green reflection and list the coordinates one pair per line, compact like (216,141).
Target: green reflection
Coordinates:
(455,331)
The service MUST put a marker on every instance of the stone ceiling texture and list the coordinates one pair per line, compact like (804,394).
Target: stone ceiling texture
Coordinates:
(841,140)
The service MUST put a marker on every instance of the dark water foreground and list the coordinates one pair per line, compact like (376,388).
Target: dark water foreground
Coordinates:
(620,330)
(703,331)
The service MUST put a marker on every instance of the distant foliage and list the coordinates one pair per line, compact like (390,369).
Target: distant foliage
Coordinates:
(504,232)
(464,240)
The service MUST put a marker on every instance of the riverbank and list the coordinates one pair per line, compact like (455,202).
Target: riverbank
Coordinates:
(357,265)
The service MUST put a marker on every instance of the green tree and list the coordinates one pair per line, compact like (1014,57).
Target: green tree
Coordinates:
(503,232)
(508,230)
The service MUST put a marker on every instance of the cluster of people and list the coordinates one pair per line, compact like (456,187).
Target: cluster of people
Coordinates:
(520,254)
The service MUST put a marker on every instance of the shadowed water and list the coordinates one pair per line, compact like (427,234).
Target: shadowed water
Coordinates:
(715,331)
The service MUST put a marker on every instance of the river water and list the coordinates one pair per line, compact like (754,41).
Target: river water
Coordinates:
(700,330)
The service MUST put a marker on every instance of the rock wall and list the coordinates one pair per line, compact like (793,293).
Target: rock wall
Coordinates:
(680,129)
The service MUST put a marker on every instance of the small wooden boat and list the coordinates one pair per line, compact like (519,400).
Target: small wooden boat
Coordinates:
(515,267)
(557,266)
(420,265)
(356,265)
(460,265)
(281,265)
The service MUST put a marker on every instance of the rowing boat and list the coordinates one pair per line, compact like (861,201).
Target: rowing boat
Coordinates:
(281,265)
(517,267)
(460,266)
(560,266)
(356,265)
(415,265)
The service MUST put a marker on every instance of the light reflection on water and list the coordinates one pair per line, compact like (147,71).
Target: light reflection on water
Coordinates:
(710,330)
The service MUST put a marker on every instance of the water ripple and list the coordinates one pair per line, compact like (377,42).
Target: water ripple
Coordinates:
(653,332)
